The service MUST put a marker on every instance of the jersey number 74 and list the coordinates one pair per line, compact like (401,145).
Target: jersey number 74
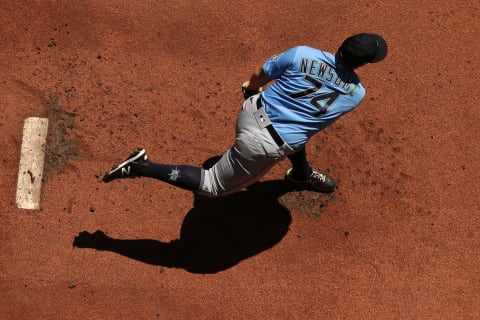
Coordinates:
(328,98)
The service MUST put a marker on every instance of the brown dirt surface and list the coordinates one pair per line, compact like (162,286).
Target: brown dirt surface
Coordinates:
(399,238)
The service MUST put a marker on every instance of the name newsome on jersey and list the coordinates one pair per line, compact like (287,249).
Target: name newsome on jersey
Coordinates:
(335,77)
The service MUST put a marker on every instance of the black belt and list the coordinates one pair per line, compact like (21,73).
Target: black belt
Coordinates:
(276,137)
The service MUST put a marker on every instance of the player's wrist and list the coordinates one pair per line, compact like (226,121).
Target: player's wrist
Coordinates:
(249,91)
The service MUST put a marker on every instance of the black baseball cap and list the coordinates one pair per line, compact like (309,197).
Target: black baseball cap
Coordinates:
(363,48)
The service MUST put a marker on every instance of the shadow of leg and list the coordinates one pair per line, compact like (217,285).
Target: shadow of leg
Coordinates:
(148,251)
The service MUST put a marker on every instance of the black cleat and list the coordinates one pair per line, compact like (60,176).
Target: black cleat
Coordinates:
(129,168)
(318,181)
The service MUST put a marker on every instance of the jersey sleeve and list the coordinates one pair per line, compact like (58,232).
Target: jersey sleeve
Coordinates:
(277,64)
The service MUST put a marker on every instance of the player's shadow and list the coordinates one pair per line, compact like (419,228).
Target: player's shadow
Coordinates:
(216,234)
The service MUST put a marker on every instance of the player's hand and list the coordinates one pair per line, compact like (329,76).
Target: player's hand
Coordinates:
(247,92)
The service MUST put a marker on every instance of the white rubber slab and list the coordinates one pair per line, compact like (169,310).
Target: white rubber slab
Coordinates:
(32,158)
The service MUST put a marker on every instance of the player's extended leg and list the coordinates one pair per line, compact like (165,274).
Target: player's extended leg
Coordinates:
(231,173)
(302,173)
(138,165)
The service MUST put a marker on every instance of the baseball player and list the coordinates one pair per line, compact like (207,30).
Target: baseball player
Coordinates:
(308,89)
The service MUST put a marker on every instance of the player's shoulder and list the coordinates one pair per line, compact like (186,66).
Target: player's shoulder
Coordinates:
(306,49)
(301,50)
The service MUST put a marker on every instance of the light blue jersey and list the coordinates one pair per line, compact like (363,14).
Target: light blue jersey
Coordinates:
(310,92)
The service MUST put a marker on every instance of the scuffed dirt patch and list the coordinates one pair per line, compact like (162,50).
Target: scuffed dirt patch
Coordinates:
(310,203)
(60,147)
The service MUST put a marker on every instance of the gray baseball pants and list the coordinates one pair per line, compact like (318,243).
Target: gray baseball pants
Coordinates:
(253,154)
